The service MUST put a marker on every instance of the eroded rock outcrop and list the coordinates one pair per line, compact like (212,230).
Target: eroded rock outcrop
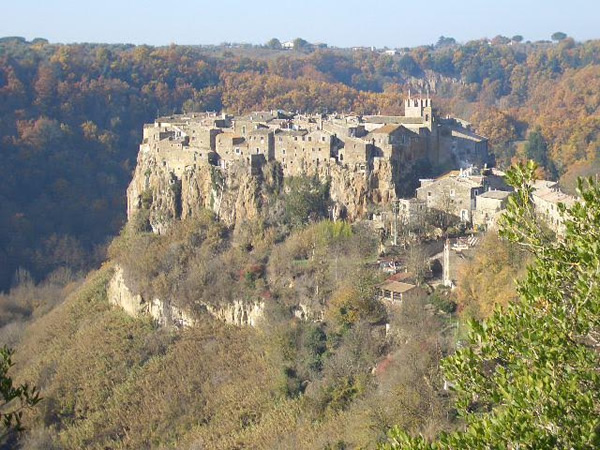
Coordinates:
(168,313)
(237,194)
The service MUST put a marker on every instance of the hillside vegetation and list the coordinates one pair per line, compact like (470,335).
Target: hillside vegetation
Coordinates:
(72,116)
(109,380)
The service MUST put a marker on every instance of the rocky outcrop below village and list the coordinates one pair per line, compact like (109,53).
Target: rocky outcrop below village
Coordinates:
(166,312)
(240,193)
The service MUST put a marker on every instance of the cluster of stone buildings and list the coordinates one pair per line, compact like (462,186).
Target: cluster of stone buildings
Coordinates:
(479,196)
(305,143)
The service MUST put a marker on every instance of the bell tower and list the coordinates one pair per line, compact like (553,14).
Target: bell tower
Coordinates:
(419,107)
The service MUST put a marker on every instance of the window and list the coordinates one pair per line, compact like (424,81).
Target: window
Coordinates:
(309,139)
(323,138)
(429,194)
(452,192)
(237,151)
(283,151)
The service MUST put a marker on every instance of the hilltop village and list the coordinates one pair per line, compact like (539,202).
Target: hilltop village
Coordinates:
(303,143)
(237,166)
(366,156)
(370,161)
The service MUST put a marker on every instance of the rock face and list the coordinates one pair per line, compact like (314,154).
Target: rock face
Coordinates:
(172,191)
(166,313)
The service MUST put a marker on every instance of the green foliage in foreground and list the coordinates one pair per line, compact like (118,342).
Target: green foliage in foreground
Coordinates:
(529,378)
(14,399)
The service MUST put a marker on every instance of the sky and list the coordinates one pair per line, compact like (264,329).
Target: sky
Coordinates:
(384,23)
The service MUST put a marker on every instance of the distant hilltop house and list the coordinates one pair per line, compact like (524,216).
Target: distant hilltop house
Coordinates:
(310,143)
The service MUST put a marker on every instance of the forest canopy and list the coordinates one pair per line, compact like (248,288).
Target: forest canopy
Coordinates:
(72,117)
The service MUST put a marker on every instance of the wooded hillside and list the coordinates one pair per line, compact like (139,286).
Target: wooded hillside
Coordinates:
(72,116)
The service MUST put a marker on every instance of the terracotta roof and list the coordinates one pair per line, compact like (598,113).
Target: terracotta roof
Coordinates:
(387,129)
(393,119)
(400,276)
(556,197)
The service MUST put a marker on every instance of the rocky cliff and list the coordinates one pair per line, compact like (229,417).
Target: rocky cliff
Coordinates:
(167,313)
(170,190)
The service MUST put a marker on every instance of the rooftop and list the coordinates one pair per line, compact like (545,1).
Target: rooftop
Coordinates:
(397,287)
(387,129)
(498,195)
(555,196)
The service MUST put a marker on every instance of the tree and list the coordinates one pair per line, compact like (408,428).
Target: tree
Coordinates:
(529,376)
(300,44)
(558,36)
(517,38)
(536,149)
(444,41)
(14,399)
(307,199)
(500,40)
(274,44)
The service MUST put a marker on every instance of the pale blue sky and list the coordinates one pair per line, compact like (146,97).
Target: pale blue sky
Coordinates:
(346,23)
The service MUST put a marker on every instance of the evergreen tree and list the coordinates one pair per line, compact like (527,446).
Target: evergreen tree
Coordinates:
(536,149)
(529,377)
(14,399)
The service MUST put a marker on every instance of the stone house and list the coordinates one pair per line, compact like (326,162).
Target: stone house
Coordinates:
(457,139)
(454,193)
(489,207)
(231,147)
(397,292)
(546,198)
(305,143)
(354,153)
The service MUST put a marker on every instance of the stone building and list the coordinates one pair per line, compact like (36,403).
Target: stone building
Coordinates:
(489,207)
(546,198)
(398,292)
(453,193)
(312,143)
(473,195)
